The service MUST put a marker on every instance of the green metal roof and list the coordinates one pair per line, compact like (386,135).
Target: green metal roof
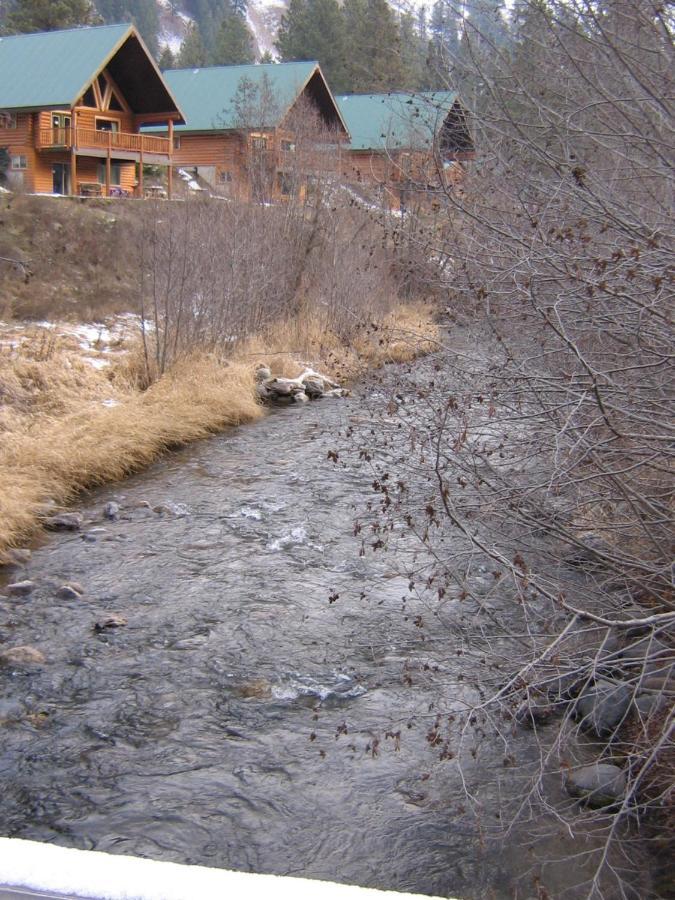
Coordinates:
(395,121)
(207,96)
(53,68)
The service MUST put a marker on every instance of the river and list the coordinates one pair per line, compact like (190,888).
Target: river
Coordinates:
(266,707)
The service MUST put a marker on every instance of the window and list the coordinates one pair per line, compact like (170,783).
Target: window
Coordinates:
(176,143)
(7,120)
(60,120)
(288,146)
(224,177)
(285,183)
(19,162)
(258,142)
(107,125)
(115,174)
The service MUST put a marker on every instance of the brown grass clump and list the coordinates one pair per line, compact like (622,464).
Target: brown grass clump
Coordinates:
(51,458)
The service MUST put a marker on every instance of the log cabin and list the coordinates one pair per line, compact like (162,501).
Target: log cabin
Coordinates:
(72,104)
(257,132)
(405,146)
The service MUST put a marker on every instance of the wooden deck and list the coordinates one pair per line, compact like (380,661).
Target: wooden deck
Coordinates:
(83,139)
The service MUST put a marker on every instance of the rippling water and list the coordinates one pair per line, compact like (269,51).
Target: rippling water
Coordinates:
(245,717)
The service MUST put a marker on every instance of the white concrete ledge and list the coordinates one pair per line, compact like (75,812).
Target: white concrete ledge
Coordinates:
(30,869)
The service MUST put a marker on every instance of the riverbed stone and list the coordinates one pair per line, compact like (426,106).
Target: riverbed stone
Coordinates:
(649,704)
(300,397)
(262,373)
(600,784)
(72,590)
(114,620)
(602,706)
(20,588)
(111,511)
(63,522)
(23,655)
(315,386)
(536,710)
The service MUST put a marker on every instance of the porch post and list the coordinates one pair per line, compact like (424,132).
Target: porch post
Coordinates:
(73,152)
(107,165)
(169,180)
(140,172)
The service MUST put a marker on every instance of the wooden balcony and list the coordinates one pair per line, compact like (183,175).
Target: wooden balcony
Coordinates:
(101,142)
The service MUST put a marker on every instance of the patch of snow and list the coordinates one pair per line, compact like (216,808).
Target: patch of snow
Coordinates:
(104,876)
(110,402)
(96,363)
(189,180)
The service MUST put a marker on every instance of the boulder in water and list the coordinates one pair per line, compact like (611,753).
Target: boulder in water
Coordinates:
(20,588)
(63,522)
(114,620)
(600,784)
(111,511)
(603,705)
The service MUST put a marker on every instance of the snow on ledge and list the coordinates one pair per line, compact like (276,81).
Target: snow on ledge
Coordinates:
(91,875)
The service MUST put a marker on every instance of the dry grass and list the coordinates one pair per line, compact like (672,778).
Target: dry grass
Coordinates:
(66,426)
(407,332)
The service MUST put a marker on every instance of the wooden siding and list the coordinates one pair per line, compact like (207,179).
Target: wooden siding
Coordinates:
(20,141)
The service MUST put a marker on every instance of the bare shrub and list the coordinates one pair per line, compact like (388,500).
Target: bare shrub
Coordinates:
(537,463)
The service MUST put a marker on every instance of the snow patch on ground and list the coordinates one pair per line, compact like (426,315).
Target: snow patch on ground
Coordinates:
(102,876)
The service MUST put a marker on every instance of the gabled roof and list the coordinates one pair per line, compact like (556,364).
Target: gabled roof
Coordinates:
(207,96)
(395,121)
(51,70)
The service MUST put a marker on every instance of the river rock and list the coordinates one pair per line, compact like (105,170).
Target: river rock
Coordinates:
(659,683)
(315,386)
(565,686)
(649,704)
(63,522)
(20,588)
(114,620)
(600,784)
(337,392)
(70,591)
(300,397)
(262,373)
(284,387)
(535,711)
(602,706)
(111,511)
(21,656)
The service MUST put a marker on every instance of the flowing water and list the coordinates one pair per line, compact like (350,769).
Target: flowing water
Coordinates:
(246,717)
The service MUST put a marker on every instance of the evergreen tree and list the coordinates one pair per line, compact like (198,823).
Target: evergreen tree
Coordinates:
(484,20)
(443,47)
(193,54)
(266,58)
(412,54)
(234,43)
(49,15)
(315,29)
(142,13)
(374,61)
(167,59)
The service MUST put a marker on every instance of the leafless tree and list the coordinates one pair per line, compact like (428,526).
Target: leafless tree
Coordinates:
(540,446)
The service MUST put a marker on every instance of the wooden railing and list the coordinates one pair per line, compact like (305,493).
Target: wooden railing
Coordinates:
(91,138)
